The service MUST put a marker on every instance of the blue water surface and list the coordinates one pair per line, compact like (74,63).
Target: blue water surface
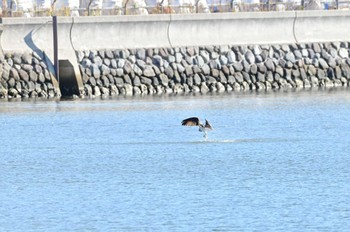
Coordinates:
(276,161)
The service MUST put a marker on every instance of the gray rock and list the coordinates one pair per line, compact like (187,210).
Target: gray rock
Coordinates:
(225,70)
(325,55)
(238,77)
(222,77)
(316,47)
(146,80)
(128,67)
(260,86)
(246,77)
(298,54)
(30,86)
(246,86)
(14,74)
(311,70)
(158,61)
(343,53)
(113,63)
(142,64)
(331,74)
(284,48)
(261,77)
(27,67)
(163,79)
(269,77)
(16,59)
(290,57)
(121,63)
(345,70)
(231,80)
(11,82)
(119,81)
(311,53)
(303,74)
(127,79)
(196,80)
(279,70)
(256,50)
(206,69)
(249,57)
(124,54)
(109,54)
(270,65)
(92,81)
(333,52)
(253,69)
(321,74)
(171,59)
(220,87)
(323,64)
(262,68)
(104,91)
(101,53)
(136,90)
(127,90)
(105,81)
(305,52)
(205,55)
(132,59)
(214,55)
(86,63)
(105,70)
(231,57)
(295,74)
(33,76)
(178,57)
(180,68)
(246,66)
(97,60)
(149,72)
(188,71)
(204,88)
(238,66)
(41,77)
(95,71)
(223,60)
(258,59)
(210,80)
(27,58)
(215,72)
(119,72)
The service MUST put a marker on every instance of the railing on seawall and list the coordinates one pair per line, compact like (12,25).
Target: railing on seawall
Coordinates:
(27,8)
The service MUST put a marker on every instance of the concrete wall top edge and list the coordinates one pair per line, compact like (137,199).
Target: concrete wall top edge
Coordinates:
(238,15)
(122,18)
(183,17)
(323,13)
(18,21)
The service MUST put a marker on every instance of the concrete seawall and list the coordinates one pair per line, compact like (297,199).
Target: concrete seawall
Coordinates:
(84,42)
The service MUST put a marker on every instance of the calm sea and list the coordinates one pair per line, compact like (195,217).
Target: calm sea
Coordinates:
(277,161)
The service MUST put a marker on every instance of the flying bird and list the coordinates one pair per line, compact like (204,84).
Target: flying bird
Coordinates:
(194,121)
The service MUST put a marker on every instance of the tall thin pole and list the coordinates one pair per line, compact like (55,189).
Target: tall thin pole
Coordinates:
(55,47)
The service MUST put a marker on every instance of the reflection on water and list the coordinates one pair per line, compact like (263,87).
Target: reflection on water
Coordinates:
(275,161)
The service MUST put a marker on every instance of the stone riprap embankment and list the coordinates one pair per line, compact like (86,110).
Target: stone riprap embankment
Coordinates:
(25,76)
(214,68)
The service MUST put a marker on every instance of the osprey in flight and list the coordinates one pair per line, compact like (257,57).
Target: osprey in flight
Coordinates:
(194,121)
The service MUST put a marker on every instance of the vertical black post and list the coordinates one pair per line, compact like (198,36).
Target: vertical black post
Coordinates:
(55,49)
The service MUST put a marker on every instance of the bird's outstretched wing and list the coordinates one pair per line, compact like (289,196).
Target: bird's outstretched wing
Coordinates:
(194,121)
(207,125)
